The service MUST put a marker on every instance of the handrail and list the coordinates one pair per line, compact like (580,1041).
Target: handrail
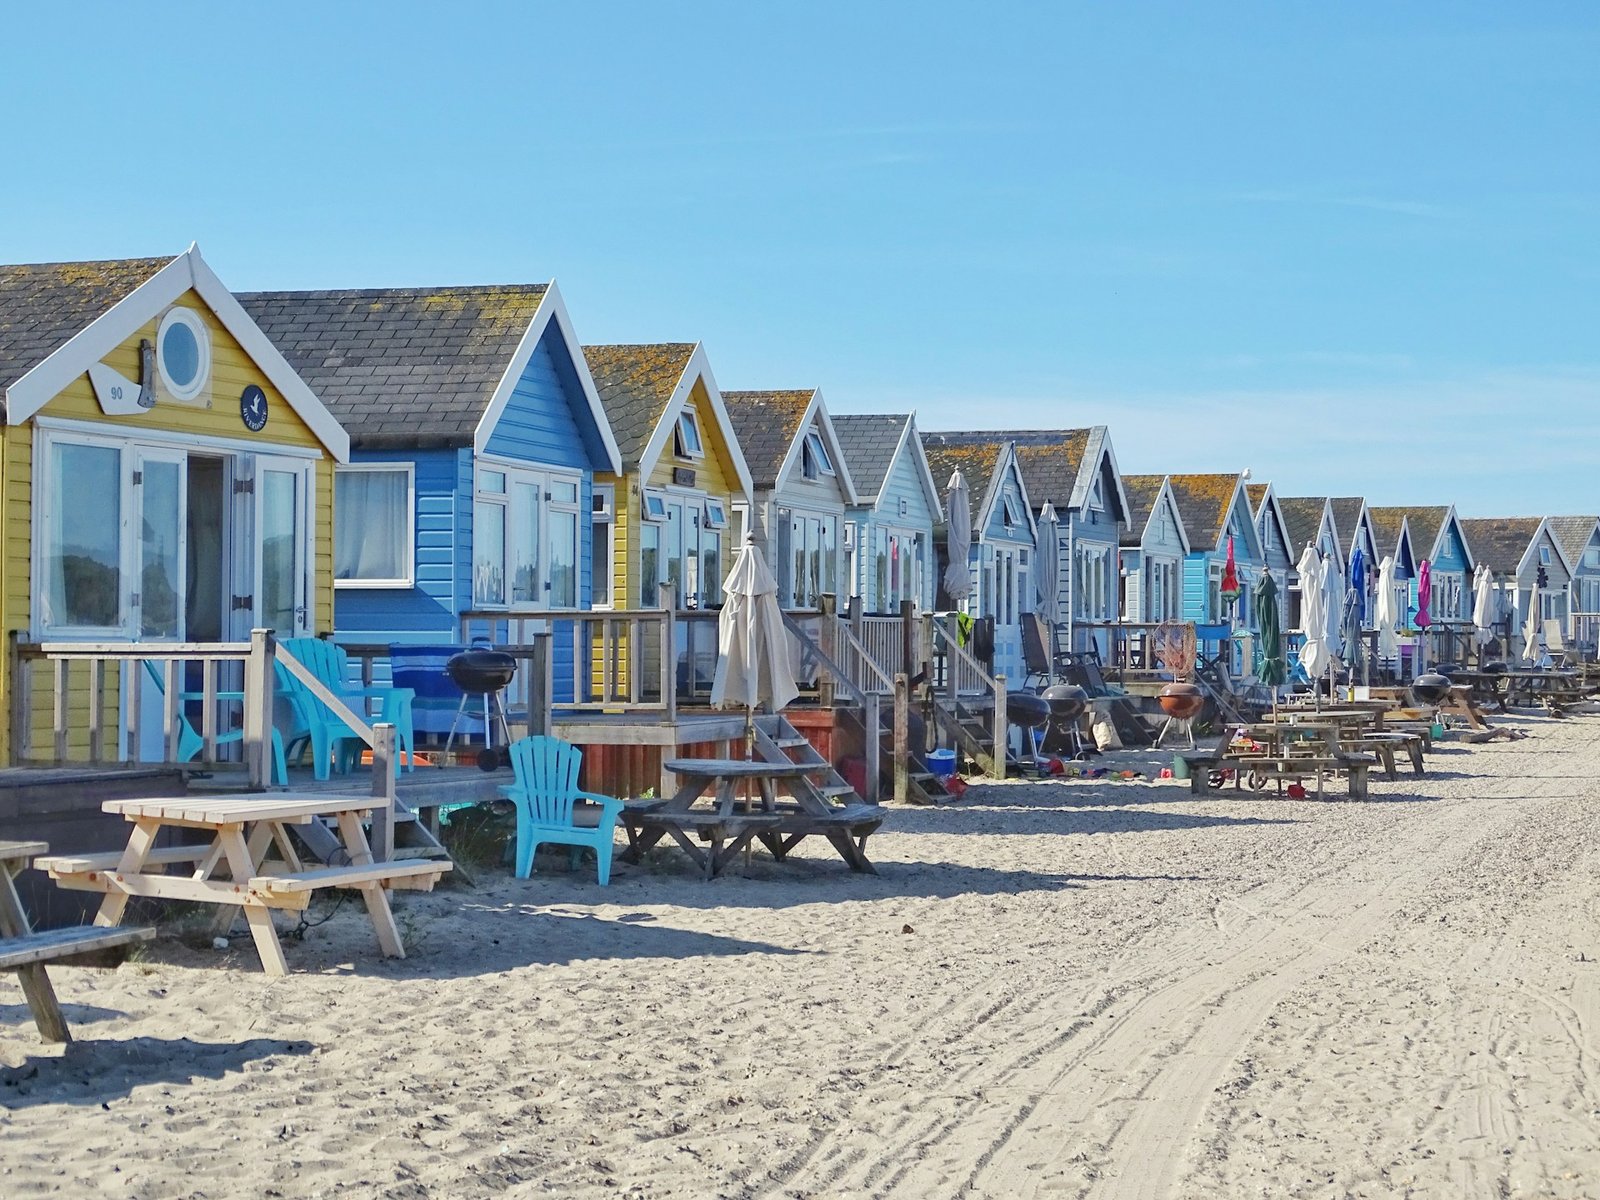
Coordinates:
(871,713)
(994,684)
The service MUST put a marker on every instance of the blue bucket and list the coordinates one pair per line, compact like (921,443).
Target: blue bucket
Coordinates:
(942,763)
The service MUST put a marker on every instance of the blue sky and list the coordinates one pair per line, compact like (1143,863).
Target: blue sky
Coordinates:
(1355,248)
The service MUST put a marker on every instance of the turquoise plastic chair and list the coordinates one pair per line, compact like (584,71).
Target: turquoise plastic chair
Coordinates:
(547,797)
(313,724)
(190,743)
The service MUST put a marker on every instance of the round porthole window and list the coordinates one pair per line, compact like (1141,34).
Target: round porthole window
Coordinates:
(183,353)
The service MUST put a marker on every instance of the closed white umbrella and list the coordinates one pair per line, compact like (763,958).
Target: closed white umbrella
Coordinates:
(1333,608)
(1314,656)
(958,520)
(1046,568)
(1530,629)
(1388,611)
(1485,605)
(753,659)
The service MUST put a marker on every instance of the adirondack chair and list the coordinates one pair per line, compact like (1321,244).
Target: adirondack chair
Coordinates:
(313,725)
(190,743)
(547,798)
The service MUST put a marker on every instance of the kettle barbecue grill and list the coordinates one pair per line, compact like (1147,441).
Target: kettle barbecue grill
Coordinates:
(484,673)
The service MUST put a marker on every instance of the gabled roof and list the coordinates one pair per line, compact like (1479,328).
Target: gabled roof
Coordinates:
(872,442)
(1257,493)
(1389,528)
(1427,525)
(1144,494)
(59,319)
(1302,520)
(1501,543)
(978,462)
(42,305)
(1572,534)
(1203,503)
(636,384)
(1059,465)
(1263,497)
(405,367)
(1347,512)
(768,425)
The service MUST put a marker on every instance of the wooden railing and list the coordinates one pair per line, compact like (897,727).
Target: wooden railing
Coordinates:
(954,673)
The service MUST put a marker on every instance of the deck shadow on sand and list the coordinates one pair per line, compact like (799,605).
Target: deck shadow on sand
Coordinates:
(93,1072)
(18,1017)
(1086,816)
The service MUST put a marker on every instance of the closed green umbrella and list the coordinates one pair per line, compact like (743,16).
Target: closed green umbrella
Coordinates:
(1271,667)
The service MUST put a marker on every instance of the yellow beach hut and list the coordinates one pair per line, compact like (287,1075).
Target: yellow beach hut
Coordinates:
(167,476)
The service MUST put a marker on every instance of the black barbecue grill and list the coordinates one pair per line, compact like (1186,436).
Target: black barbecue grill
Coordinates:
(484,673)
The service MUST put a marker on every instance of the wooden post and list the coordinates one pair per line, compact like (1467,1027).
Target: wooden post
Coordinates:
(669,665)
(62,681)
(908,637)
(97,713)
(1001,745)
(171,684)
(872,718)
(383,789)
(19,679)
(902,738)
(952,639)
(258,695)
(541,686)
(829,644)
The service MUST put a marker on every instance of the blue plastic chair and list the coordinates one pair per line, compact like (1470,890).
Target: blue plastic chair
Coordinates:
(190,743)
(314,725)
(547,797)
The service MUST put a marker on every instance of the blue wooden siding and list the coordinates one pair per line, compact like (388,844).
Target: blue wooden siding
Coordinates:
(426,611)
(548,420)
(994,529)
(1196,585)
(1454,555)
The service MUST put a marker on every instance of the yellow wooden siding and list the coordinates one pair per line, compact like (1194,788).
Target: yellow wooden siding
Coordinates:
(232,370)
(714,476)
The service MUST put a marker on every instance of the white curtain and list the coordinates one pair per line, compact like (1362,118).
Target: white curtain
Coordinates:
(370,525)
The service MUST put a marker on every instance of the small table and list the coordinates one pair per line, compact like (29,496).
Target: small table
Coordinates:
(780,827)
(242,830)
(26,952)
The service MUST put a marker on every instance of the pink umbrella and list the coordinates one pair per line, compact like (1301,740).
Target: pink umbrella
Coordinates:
(1424,594)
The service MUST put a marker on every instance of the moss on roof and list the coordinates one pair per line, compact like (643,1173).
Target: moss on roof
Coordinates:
(976,461)
(1203,504)
(635,384)
(1500,542)
(1142,492)
(766,424)
(1424,521)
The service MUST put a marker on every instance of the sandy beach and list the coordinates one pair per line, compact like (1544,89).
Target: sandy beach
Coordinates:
(1059,989)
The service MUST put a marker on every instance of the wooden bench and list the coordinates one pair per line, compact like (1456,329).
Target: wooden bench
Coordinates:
(1384,746)
(1201,764)
(25,952)
(1295,768)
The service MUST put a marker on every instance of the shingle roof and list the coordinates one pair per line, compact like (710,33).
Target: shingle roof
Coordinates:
(1346,516)
(1302,519)
(1050,459)
(1573,534)
(400,366)
(1425,521)
(635,384)
(1203,504)
(1142,492)
(869,443)
(44,305)
(1257,492)
(1500,542)
(766,424)
(977,461)
(1386,524)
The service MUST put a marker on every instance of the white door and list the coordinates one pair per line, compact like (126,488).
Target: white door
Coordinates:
(159,578)
(282,544)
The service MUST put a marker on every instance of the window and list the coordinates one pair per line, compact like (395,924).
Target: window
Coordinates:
(82,551)
(808,564)
(1544,556)
(602,520)
(649,565)
(1214,593)
(183,354)
(655,506)
(1012,510)
(525,539)
(373,535)
(686,439)
(1097,500)
(814,457)
(716,515)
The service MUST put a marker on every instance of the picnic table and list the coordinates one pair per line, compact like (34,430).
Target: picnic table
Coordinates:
(230,870)
(731,822)
(1287,749)
(25,952)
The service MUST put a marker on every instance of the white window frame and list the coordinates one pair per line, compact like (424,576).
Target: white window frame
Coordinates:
(603,515)
(815,459)
(688,421)
(43,466)
(1011,511)
(409,578)
(716,515)
(544,478)
(190,319)
(646,497)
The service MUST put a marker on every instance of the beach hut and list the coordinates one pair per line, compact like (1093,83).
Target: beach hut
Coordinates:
(801,490)
(1391,536)
(168,476)
(670,506)
(1278,552)
(888,542)
(1307,521)
(1154,547)
(476,434)
(1004,538)
(1579,538)
(1529,564)
(1215,508)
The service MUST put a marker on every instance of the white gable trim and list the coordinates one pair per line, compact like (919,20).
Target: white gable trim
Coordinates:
(817,411)
(1239,495)
(551,308)
(28,395)
(1097,453)
(697,368)
(1270,500)
(1164,496)
(1543,534)
(911,437)
(1008,462)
